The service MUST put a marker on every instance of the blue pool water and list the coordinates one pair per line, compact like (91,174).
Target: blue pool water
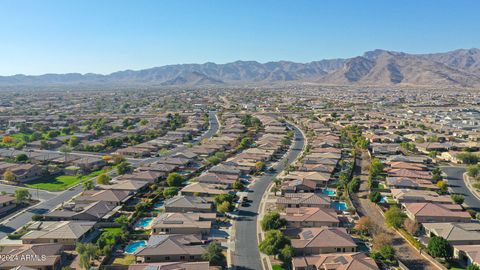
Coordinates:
(383,199)
(329,192)
(133,247)
(158,205)
(340,206)
(144,222)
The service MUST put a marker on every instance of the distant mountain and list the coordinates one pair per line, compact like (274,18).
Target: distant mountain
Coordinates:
(459,68)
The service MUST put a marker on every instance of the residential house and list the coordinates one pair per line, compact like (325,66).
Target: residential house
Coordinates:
(455,233)
(308,217)
(112,197)
(171,247)
(323,240)
(335,261)
(7,203)
(297,200)
(434,213)
(183,223)
(67,233)
(38,256)
(184,204)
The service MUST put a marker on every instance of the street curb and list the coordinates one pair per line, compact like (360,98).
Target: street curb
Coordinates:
(468,183)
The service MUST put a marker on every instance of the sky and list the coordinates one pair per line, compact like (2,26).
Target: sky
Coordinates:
(104,36)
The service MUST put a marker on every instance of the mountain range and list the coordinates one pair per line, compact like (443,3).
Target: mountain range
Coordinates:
(459,68)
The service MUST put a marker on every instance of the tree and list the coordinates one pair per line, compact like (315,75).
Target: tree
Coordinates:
(65,149)
(8,140)
(170,192)
(375,196)
(439,247)
(22,196)
(394,217)
(442,185)
(74,141)
(273,242)
(468,158)
(286,254)
(87,253)
(224,207)
(88,184)
(103,179)
(354,185)
(272,221)
(237,185)
(174,179)
(365,225)
(473,170)
(214,254)
(436,175)
(122,220)
(8,176)
(123,167)
(457,198)
(376,167)
(387,252)
(259,166)
(21,158)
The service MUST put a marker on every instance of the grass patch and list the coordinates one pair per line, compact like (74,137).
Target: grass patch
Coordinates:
(277,267)
(126,260)
(61,182)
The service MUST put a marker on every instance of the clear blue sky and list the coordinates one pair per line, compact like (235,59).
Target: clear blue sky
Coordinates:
(103,36)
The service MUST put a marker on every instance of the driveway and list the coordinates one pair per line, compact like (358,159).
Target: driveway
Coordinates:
(457,185)
(246,254)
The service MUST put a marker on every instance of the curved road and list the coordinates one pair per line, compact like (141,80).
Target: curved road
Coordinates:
(246,253)
(458,186)
(53,199)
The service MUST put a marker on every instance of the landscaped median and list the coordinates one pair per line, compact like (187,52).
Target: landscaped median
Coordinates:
(62,182)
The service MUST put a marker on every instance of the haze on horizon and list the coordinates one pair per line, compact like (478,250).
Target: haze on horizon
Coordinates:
(108,36)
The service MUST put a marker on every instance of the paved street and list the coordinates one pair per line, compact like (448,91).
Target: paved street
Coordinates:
(246,253)
(52,199)
(457,185)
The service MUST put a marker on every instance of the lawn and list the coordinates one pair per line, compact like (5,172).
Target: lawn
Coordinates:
(277,267)
(61,182)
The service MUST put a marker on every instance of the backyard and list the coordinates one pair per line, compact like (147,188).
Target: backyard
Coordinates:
(61,182)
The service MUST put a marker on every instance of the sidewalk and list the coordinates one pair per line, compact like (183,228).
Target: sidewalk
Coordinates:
(468,181)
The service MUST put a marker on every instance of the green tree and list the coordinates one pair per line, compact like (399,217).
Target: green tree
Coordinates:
(224,207)
(457,198)
(170,192)
(439,247)
(87,253)
(22,196)
(473,170)
(387,252)
(376,167)
(88,184)
(214,255)
(286,254)
(468,158)
(375,196)
(74,141)
(272,221)
(237,185)
(273,242)
(21,158)
(103,179)
(123,167)
(354,185)
(394,217)
(174,179)
(259,166)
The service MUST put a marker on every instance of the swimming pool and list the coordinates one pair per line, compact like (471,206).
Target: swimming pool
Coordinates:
(133,247)
(383,199)
(329,192)
(158,205)
(144,222)
(340,206)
